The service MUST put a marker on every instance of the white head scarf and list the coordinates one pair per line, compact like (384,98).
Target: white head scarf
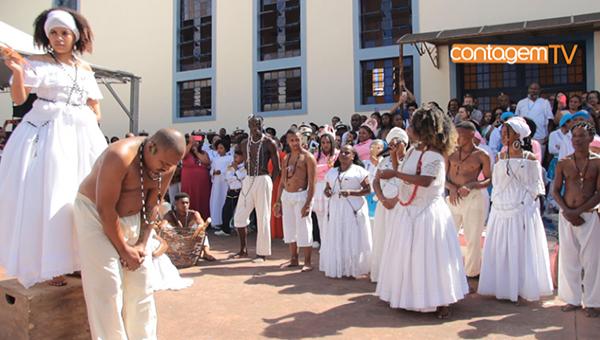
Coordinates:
(399,133)
(60,18)
(519,125)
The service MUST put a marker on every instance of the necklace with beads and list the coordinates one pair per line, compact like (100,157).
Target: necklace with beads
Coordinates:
(159,179)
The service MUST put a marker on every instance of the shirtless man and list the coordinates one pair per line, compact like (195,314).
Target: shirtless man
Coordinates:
(257,189)
(115,210)
(468,199)
(579,224)
(294,199)
(182,217)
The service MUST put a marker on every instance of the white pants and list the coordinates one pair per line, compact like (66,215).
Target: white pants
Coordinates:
(471,213)
(579,250)
(256,195)
(120,302)
(296,229)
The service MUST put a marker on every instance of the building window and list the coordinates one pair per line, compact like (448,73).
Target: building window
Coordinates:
(195,98)
(281,90)
(486,81)
(72,4)
(279,30)
(382,22)
(381,80)
(195,35)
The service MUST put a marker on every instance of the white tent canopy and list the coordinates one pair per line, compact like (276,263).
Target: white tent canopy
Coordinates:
(23,43)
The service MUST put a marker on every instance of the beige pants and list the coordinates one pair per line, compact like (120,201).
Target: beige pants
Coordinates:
(470,215)
(579,250)
(120,303)
(296,229)
(256,195)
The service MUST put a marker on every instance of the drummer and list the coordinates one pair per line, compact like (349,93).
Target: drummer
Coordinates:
(182,217)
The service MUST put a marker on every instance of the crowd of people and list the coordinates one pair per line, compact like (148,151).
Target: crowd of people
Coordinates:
(386,197)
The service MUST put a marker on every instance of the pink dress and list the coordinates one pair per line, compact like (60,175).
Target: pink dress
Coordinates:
(363,149)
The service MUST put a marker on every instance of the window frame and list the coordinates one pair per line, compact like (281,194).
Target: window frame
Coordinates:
(77,4)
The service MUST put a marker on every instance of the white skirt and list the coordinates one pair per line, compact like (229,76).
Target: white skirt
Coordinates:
(42,166)
(515,256)
(380,233)
(346,248)
(421,265)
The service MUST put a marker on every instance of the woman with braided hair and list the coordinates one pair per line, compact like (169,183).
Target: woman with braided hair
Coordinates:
(421,265)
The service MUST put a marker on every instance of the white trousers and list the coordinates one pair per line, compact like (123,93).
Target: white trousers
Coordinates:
(579,250)
(120,302)
(296,229)
(256,195)
(471,213)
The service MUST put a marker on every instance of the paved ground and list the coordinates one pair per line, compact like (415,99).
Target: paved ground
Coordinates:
(244,300)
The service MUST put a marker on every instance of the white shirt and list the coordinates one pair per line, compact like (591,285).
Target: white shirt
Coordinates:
(555,140)
(495,143)
(234,177)
(539,111)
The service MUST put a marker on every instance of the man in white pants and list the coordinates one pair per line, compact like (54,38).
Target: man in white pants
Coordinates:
(257,189)
(579,225)
(294,200)
(115,210)
(468,199)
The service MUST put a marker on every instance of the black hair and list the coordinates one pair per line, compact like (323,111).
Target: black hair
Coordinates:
(114,139)
(355,160)
(84,44)
(453,100)
(331,140)
(371,133)
(181,195)
(223,142)
(238,152)
(271,130)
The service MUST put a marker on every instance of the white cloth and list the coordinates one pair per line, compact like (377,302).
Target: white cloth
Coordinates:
(515,255)
(218,191)
(174,189)
(421,255)
(346,248)
(321,208)
(555,141)
(120,302)
(296,229)
(496,140)
(566,146)
(60,18)
(164,275)
(389,188)
(47,156)
(256,195)
(540,111)
(470,214)
(579,250)
(372,169)
(234,177)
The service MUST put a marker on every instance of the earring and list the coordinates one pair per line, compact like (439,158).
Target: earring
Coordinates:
(153,149)
(516,144)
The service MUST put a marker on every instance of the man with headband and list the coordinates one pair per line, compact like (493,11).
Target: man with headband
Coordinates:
(257,188)
(468,199)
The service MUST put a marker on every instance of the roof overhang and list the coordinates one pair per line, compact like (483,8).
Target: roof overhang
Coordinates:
(427,42)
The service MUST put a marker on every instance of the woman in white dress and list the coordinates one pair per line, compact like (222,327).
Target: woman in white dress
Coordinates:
(218,192)
(515,254)
(422,266)
(164,275)
(346,251)
(325,157)
(50,152)
(386,191)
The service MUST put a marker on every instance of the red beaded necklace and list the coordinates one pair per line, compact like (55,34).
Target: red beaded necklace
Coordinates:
(416,187)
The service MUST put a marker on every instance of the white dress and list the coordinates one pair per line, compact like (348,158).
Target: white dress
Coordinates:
(515,253)
(421,265)
(218,192)
(45,160)
(346,250)
(389,189)
(164,275)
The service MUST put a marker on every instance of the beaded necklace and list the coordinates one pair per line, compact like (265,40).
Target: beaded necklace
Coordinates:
(144,215)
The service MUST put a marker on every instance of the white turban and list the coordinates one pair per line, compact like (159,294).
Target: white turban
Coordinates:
(60,18)
(519,126)
(397,133)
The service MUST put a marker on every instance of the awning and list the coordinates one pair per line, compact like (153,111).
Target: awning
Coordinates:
(23,43)
(427,42)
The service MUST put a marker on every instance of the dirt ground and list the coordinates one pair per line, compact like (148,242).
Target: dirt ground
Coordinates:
(239,299)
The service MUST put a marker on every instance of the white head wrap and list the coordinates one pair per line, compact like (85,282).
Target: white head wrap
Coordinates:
(399,133)
(519,126)
(60,18)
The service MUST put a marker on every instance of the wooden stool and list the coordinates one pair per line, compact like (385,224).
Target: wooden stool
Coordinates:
(43,311)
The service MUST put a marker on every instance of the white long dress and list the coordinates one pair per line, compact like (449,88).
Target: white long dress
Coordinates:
(218,192)
(421,265)
(347,247)
(389,189)
(515,254)
(164,275)
(45,160)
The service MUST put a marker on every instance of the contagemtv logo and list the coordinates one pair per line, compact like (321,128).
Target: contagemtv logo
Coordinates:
(511,54)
